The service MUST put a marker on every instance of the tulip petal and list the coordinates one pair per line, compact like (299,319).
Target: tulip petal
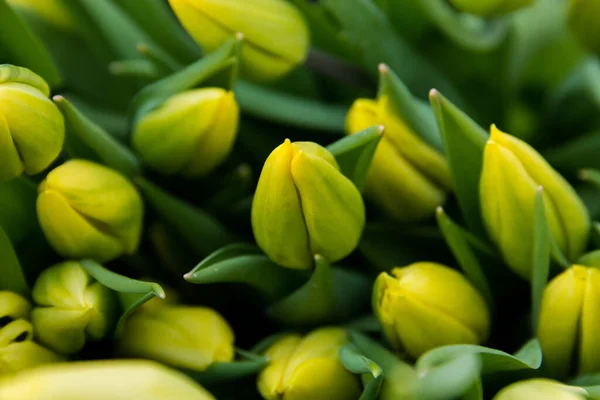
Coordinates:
(104,302)
(11,165)
(589,346)
(322,379)
(62,286)
(60,329)
(270,380)
(23,355)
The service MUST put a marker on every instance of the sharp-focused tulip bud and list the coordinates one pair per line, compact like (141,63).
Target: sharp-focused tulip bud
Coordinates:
(32,129)
(51,11)
(87,210)
(427,305)
(276,38)
(540,389)
(512,172)
(488,8)
(308,368)
(180,336)
(304,206)
(190,134)
(583,21)
(102,380)
(569,322)
(71,307)
(407,178)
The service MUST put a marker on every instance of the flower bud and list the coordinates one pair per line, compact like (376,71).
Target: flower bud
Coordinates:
(512,171)
(308,368)
(583,21)
(408,179)
(486,8)
(87,210)
(190,134)
(101,380)
(276,38)
(569,322)
(32,129)
(426,305)
(196,337)
(71,307)
(50,11)
(304,206)
(540,389)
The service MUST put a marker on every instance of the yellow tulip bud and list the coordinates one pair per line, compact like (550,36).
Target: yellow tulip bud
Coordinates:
(276,38)
(12,306)
(583,21)
(569,322)
(180,336)
(51,11)
(32,129)
(190,134)
(87,210)
(304,206)
(71,307)
(102,380)
(308,368)
(408,179)
(512,172)
(540,389)
(488,8)
(426,305)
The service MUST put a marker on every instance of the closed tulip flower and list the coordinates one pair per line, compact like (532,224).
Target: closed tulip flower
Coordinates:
(512,172)
(87,210)
(540,389)
(304,206)
(190,134)
(408,179)
(276,38)
(426,305)
(569,322)
(488,8)
(308,368)
(71,307)
(180,336)
(102,380)
(32,129)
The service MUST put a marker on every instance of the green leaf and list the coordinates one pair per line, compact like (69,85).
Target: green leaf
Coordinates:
(223,372)
(17,208)
(354,153)
(464,142)
(11,273)
(356,363)
(591,259)
(449,380)
(541,257)
(19,46)
(84,137)
(132,293)
(458,243)
(135,69)
(591,176)
(475,392)
(203,233)
(159,58)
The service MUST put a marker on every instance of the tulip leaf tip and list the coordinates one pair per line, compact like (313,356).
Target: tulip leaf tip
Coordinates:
(383,68)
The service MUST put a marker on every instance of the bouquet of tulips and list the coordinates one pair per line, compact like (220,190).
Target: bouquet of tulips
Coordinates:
(299,200)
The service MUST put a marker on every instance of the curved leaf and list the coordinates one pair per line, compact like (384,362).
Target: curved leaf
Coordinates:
(541,257)
(356,363)
(223,372)
(11,273)
(451,379)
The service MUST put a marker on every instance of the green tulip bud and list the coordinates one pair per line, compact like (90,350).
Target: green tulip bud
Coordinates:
(276,36)
(102,380)
(71,307)
(32,129)
(180,336)
(540,389)
(190,134)
(488,8)
(407,178)
(304,206)
(512,172)
(583,21)
(51,11)
(569,322)
(87,210)
(426,305)
(308,368)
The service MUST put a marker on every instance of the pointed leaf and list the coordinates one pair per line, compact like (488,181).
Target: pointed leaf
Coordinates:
(464,142)
(354,153)
(223,372)
(541,257)
(451,379)
(356,363)
(11,273)
(135,69)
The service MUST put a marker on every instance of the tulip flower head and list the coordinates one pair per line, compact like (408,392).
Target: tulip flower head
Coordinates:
(305,206)
(540,389)
(427,305)
(308,368)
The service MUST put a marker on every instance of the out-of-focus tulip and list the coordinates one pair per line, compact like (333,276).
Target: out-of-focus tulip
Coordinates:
(180,336)
(51,11)
(408,179)
(190,134)
(102,380)
(87,210)
(583,21)
(488,8)
(540,389)
(308,368)
(32,129)
(427,305)
(304,206)
(276,38)
(71,307)
(512,172)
